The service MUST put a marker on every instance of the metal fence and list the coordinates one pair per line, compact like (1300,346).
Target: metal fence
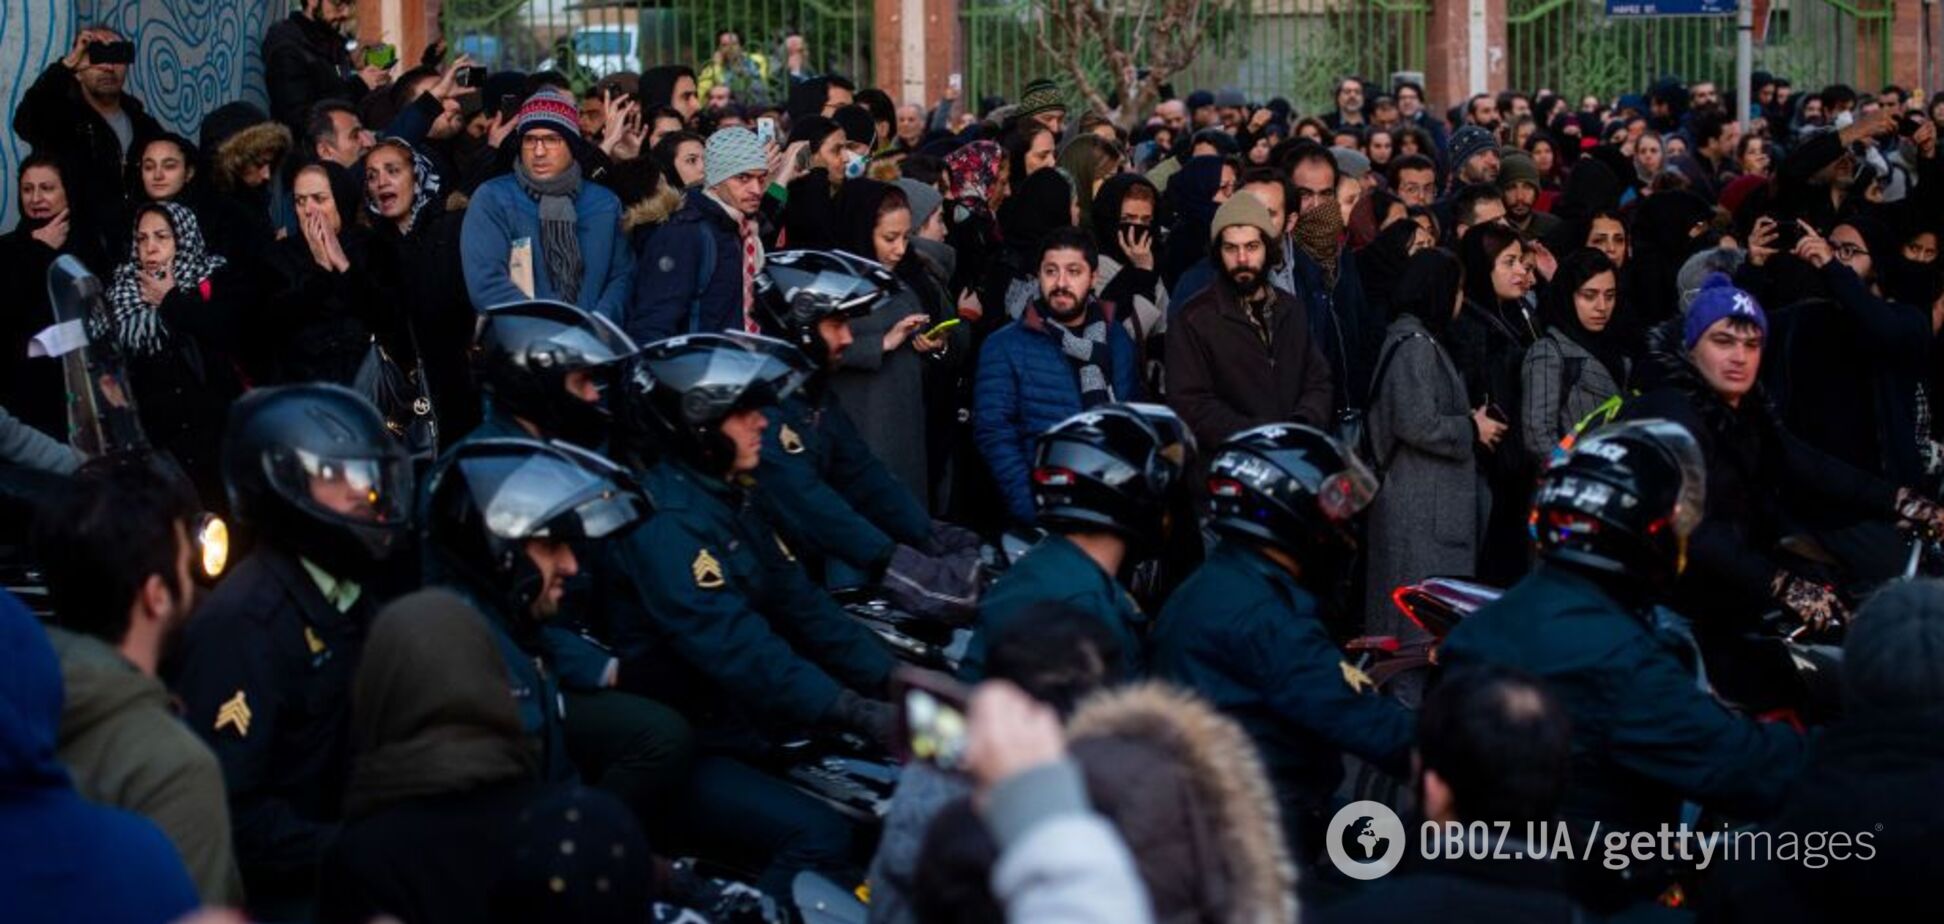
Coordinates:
(587,40)
(1571,46)
(1295,49)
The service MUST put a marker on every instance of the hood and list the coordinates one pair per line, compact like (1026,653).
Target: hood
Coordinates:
(100,684)
(653,210)
(1036,208)
(30,702)
(857,207)
(1667,365)
(1106,208)
(1242,872)
(233,154)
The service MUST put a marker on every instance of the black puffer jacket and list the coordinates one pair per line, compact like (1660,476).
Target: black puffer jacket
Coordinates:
(304,63)
(1758,475)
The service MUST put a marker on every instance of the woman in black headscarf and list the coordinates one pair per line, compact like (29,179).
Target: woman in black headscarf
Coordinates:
(1123,213)
(1422,430)
(33,389)
(1193,195)
(1489,341)
(332,298)
(1039,205)
(1668,228)
(1401,232)
(1578,365)
(405,202)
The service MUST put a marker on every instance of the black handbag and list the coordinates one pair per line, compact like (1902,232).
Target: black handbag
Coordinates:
(402,399)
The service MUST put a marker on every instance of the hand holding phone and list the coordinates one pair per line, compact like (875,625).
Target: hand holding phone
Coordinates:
(931,718)
(116,52)
(381,56)
(471,77)
(765,130)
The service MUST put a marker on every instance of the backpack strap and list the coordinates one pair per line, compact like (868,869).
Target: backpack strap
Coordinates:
(1376,386)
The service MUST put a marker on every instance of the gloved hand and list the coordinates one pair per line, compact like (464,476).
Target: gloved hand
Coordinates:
(1918,512)
(874,720)
(1816,605)
(944,588)
(691,896)
(947,538)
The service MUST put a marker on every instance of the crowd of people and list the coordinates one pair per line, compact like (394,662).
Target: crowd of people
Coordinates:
(557,424)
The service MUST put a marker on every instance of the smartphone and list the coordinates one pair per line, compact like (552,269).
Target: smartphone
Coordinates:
(941,327)
(470,76)
(1497,413)
(381,55)
(1908,124)
(120,52)
(1135,231)
(765,130)
(509,104)
(956,81)
(470,105)
(931,717)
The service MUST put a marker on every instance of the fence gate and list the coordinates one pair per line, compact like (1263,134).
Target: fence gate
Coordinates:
(587,40)
(1572,47)
(1294,49)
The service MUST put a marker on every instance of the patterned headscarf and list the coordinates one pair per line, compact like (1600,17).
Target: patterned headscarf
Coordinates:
(970,174)
(425,181)
(1319,233)
(133,324)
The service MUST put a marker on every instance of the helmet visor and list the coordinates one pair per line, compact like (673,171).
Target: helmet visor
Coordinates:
(354,490)
(1347,493)
(1691,499)
(741,371)
(526,494)
(1060,456)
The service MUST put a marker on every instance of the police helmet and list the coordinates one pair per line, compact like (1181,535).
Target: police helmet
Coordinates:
(1290,486)
(524,352)
(1114,468)
(1623,500)
(684,387)
(797,289)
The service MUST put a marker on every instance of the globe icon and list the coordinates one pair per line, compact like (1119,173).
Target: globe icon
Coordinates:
(1362,843)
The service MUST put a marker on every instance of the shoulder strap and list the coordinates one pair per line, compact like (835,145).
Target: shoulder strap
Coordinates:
(704,275)
(1569,376)
(1376,385)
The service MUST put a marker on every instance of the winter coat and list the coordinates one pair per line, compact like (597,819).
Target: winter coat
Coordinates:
(1759,477)
(305,63)
(670,271)
(54,118)
(430,315)
(1866,766)
(27,447)
(1561,384)
(1245,636)
(1427,518)
(1222,379)
(34,389)
(1646,735)
(1341,325)
(1025,385)
(125,747)
(884,393)
(827,493)
(184,391)
(501,212)
(68,859)
(1057,571)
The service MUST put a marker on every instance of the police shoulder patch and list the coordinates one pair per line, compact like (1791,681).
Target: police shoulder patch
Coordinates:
(234,714)
(706,570)
(792,443)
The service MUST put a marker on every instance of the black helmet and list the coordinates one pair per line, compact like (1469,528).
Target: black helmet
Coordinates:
(798,288)
(683,387)
(524,352)
(1288,485)
(486,498)
(312,469)
(1114,467)
(1623,500)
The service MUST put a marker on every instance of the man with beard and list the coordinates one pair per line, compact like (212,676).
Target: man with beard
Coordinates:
(1240,353)
(76,112)
(264,671)
(1518,184)
(306,61)
(120,547)
(1067,353)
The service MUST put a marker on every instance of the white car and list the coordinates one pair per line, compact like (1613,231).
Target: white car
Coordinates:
(605,50)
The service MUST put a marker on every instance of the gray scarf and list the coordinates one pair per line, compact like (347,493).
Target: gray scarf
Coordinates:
(559,241)
(1082,349)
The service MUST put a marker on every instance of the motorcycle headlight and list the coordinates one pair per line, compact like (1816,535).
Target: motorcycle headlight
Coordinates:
(212,546)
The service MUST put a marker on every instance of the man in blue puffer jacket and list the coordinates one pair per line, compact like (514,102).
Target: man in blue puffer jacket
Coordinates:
(574,250)
(1066,353)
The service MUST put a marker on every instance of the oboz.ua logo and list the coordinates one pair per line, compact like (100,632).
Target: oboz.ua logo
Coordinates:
(1365,840)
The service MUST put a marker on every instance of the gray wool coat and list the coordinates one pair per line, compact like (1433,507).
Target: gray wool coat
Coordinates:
(1431,509)
(884,393)
(1547,415)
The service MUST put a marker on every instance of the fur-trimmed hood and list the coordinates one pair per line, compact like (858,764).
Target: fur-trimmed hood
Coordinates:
(1187,791)
(262,142)
(651,211)
(1667,365)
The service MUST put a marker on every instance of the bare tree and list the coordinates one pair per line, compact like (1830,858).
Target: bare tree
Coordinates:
(1163,36)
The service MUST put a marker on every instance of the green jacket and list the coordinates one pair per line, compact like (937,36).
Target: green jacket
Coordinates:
(125,748)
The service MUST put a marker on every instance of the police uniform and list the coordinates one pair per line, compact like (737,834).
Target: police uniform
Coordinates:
(1056,571)
(828,494)
(1246,636)
(708,583)
(264,672)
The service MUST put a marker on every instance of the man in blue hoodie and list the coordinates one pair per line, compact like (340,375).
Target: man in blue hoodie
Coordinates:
(68,860)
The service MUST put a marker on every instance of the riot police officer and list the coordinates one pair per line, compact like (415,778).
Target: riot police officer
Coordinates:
(1612,521)
(550,371)
(712,613)
(264,670)
(501,520)
(1245,630)
(819,482)
(1103,484)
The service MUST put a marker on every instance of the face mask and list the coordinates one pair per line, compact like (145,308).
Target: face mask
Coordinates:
(854,164)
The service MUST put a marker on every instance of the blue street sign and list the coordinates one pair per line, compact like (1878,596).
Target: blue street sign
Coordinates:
(1636,8)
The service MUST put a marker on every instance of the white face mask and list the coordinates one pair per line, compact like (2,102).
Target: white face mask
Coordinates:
(854,164)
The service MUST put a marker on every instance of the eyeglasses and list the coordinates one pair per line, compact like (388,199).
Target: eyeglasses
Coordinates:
(1848,251)
(541,141)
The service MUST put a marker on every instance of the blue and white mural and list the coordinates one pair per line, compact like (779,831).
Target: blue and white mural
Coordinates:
(190,57)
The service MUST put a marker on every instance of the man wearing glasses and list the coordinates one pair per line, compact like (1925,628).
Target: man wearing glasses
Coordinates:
(305,62)
(542,231)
